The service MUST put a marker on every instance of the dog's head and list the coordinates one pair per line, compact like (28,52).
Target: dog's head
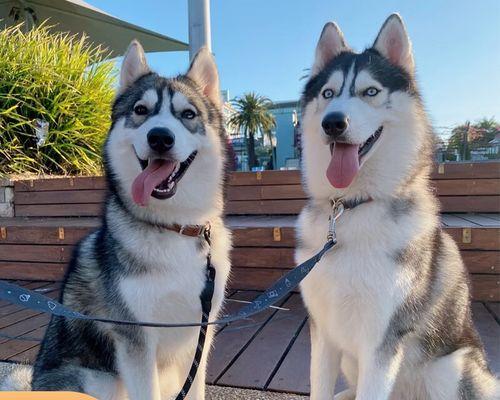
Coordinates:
(361,113)
(164,148)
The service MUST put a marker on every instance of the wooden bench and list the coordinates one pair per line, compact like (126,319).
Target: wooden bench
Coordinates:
(460,187)
(51,215)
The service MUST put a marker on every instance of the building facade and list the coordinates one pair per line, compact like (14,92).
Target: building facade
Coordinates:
(287,143)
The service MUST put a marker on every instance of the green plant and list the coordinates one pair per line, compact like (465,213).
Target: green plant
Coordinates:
(252,115)
(60,82)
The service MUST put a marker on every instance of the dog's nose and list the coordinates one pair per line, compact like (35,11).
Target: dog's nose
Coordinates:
(161,139)
(335,124)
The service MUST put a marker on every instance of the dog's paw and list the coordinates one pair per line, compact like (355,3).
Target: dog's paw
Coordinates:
(345,395)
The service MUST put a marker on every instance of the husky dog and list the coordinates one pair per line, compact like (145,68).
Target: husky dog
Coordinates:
(389,304)
(164,165)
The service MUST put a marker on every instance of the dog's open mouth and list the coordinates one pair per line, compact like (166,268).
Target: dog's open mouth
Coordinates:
(346,160)
(159,178)
(367,146)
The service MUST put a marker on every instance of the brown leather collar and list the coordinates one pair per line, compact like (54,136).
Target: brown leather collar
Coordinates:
(187,230)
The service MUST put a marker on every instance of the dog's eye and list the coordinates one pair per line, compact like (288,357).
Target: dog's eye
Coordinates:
(188,114)
(140,109)
(327,93)
(371,92)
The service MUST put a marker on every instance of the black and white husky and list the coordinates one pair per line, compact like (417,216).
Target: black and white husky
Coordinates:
(164,165)
(389,304)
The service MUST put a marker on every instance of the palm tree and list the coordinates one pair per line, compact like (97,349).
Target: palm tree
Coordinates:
(252,115)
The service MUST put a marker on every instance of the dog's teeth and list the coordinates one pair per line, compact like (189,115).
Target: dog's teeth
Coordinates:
(170,186)
(176,169)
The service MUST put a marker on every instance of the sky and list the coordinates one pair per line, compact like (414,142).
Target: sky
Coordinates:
(265,45)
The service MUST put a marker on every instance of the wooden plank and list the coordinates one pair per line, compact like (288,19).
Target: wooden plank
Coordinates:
(243,193)
(482,262)
(83,182)
(495,217)
(489,331)
(466,187)
(283,192)
(25,326)
(480,220)
(462,170)
(478,204)
(60,197)
(262,257)
(455,221)
(16,317)
(35,253)
(12,348)
(254,367)
(265,192)
(485,287)
(26,357)
(254,278)
(37,271)
(232,340)
(481,238)
(293,374)
(56,210)
(44,235)
(265,178)
(263,237)
(264,207)
(495,309)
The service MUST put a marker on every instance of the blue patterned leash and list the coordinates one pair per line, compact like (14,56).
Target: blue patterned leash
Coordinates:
(280,289)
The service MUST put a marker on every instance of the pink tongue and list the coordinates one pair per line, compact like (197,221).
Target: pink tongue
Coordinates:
(154,174)
(344,165)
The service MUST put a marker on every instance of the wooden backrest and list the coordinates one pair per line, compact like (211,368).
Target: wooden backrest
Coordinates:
(460,187)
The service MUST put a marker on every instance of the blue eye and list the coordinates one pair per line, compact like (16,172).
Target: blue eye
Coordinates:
(327,93)
(371,91)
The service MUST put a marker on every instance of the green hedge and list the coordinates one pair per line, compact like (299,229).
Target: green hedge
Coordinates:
(60,82)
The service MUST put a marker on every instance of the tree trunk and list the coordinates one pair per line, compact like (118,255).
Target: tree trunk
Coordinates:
(250,145)
(252,161)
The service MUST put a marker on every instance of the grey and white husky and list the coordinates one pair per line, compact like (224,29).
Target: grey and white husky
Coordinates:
(389,304)
(164,165)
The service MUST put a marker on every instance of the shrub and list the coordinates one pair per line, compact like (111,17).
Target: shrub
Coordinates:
(55,81)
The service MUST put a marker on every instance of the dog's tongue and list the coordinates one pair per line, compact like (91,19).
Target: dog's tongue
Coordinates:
(154,174)
(344,165)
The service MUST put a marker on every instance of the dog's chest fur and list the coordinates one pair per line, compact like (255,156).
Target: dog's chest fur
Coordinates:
(358,285)
(169,290)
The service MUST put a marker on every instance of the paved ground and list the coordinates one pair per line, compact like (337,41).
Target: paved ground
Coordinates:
(213,392)
(229,393)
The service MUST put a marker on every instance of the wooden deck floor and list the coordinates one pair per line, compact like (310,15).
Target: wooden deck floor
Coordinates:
(271,352)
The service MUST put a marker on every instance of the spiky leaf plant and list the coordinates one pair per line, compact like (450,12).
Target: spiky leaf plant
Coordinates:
(55,96)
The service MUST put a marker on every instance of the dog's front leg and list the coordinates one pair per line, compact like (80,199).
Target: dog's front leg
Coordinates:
(138,369)
(325,365)
(378,369)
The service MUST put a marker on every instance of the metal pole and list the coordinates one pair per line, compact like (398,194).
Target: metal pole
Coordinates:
(199,26)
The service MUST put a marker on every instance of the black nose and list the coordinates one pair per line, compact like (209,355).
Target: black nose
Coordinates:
(335,123)
(161,139)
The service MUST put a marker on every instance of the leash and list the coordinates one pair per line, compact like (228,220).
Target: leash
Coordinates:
(206,297)
(38,302)
(281,288)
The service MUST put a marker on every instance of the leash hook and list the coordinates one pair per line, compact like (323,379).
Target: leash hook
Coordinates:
(337,211)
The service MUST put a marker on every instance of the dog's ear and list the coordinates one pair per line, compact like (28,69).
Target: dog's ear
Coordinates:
(393,43)
(134,65)
(330,44)
(204,72)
